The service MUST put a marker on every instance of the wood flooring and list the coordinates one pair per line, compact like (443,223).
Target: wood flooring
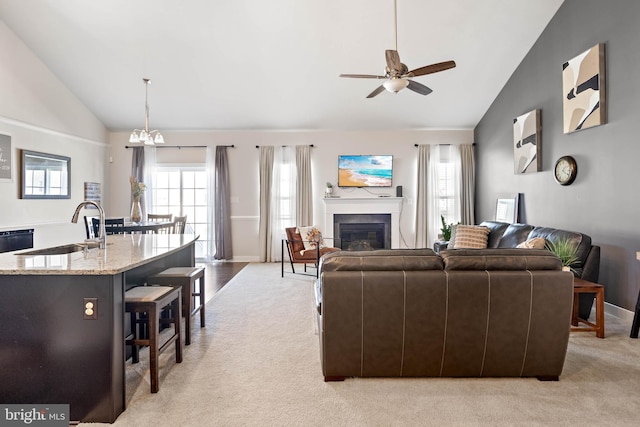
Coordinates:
(218,273)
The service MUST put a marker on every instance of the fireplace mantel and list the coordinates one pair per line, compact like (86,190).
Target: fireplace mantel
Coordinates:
(364,205)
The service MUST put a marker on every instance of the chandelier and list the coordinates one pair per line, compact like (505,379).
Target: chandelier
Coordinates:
(145,135)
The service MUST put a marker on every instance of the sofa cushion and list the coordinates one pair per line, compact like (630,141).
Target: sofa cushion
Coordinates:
(381,260)
(514,235)
(500,259)
(553,235)
(535,243)
(497,230)
(471,237)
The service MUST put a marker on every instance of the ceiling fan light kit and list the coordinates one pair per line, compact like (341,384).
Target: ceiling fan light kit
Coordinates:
(398,74)
(395,85)
(145,135)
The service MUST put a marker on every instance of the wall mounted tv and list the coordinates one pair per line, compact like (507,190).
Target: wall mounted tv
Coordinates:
(365,171)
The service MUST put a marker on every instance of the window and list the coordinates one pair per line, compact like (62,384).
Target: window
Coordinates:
(283,197)
(447,192)
(446,164)
(183,191)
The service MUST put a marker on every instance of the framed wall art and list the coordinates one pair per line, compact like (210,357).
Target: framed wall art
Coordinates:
(5,158)
(526,143)
(92,193)
(507,208)
(583,86)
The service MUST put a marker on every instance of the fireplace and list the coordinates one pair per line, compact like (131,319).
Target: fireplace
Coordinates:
(358,232)
(391,207)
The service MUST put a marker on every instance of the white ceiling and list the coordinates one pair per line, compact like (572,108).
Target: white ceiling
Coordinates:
(256,64)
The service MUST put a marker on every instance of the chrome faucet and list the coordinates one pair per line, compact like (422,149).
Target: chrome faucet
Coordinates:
(102,238)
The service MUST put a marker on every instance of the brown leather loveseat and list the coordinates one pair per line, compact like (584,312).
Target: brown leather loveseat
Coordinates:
(463,313)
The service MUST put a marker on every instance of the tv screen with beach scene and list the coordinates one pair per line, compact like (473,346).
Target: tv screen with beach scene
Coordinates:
(365,171)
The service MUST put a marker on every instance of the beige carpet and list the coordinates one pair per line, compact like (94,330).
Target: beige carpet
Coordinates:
(257,364)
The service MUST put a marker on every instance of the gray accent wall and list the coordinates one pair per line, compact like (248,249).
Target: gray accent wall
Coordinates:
(604,200)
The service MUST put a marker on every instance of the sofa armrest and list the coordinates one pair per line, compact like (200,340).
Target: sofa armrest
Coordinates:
(591,267)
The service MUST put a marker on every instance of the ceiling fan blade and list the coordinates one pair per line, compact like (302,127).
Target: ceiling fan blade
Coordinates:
(419,88)
(393,60)
(362,76)
(378,90)
(433,68)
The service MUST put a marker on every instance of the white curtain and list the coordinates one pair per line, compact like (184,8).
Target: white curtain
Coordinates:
(422,196)
(266,182)
(283,198)
(304,192)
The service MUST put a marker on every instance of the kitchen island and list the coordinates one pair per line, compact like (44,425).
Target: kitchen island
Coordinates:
(51,350)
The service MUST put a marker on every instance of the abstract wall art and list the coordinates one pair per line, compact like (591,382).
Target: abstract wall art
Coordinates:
(526,143)
(583,86)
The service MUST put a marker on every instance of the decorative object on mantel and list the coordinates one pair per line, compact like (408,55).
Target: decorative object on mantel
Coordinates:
(137,190)
(328,192)
(583,86)
(526,143)
(145,135)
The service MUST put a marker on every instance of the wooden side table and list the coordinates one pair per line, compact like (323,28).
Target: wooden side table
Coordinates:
(583,286)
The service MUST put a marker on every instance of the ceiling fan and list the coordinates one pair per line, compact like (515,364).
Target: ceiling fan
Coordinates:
(397,74)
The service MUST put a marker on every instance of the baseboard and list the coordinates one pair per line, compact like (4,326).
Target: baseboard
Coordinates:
(619,312)
(246,259)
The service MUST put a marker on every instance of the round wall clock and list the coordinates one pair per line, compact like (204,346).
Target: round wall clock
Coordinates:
(566,170)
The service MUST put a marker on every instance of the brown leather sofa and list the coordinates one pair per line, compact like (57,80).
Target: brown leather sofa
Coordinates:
(504,235)
(463,313)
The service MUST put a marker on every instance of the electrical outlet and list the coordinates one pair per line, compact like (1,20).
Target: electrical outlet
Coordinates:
(90,308)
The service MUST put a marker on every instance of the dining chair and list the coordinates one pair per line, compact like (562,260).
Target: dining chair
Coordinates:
(162,218)
(179,224)
(159,217)
(88,224)
(111,224)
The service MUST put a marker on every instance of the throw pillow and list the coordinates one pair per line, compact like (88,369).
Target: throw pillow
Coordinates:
(452,239)
(311,236)
(535,243)
(471,237)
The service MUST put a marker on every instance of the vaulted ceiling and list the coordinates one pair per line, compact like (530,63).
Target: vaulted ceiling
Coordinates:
(255,64)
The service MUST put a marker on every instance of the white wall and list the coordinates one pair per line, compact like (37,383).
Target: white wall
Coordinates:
(41,114)
(244,177)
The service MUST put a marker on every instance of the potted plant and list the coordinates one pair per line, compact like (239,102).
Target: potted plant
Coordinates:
(567,251)
(329,190)
(446,229)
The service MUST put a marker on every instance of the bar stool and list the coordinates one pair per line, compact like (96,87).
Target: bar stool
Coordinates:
(185,277)
(151,300)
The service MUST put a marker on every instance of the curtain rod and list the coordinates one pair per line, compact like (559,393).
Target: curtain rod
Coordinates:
(181,146)
(417,145)
(310,145)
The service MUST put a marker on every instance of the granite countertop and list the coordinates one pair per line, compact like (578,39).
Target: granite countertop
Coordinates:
(123,252)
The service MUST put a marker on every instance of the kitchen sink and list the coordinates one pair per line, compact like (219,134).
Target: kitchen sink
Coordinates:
(60,250)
